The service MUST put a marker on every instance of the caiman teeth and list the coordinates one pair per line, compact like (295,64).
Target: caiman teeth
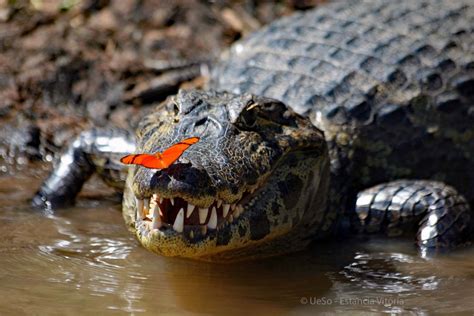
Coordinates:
(140,212)
(213,219)
(153,202)
(190,210)
(156,223)
(203,215)
(157,213)
(146,207)
(238,210)
(225,210)
(179,221)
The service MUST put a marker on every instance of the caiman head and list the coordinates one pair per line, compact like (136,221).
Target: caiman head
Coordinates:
(254,185)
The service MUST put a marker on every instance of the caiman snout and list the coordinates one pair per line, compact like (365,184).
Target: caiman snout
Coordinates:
(179,180)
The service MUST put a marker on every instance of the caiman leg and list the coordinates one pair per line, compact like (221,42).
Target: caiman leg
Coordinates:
(440,214)
(95,150)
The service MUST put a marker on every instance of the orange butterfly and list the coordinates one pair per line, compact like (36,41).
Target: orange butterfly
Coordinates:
(160,160)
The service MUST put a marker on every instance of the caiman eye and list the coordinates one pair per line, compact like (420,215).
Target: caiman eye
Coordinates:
(271,113)
(277,112)
(248,118)
(173,107)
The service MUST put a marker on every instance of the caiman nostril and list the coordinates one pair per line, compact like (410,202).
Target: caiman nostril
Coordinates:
(200,122)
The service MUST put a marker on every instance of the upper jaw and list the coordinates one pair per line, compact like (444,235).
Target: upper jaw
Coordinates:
(179,180)
(183,199)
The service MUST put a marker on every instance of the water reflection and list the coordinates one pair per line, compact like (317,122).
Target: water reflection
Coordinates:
(407,281)
(83,260)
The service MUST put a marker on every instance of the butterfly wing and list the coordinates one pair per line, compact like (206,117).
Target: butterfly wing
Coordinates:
(170,155)
(160,160)
(145,160)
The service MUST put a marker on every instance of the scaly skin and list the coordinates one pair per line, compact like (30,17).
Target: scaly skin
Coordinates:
(389,83)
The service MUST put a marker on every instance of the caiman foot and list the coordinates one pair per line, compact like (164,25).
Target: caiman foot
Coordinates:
(437,211)
(95,150)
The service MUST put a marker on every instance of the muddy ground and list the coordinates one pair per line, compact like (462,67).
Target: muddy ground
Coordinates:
(66,65)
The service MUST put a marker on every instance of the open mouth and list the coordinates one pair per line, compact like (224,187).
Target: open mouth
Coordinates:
(163,214)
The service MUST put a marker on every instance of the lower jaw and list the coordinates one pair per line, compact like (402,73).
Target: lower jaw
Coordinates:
(170,243)
(210,247)
(203,247)
(195,241)
(190,234)
(207,250)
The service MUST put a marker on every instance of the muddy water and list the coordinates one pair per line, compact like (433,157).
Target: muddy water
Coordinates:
(83,261)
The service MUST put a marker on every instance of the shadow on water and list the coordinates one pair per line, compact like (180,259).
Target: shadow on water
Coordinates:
(83,260)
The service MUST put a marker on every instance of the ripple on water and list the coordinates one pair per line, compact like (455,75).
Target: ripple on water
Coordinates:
(407,282)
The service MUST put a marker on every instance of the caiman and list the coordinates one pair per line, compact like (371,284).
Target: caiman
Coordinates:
(355,116)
